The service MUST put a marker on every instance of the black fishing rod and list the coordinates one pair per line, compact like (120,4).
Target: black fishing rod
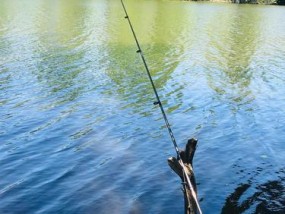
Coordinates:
(158,102)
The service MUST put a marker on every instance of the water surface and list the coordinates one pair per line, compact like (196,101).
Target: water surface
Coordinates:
(79,133)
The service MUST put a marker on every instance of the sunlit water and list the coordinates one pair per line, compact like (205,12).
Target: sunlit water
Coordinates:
(78,130)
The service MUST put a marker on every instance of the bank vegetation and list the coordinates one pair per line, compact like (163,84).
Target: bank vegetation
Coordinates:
(272,2)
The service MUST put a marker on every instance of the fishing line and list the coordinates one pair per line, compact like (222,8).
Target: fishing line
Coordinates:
(158,102)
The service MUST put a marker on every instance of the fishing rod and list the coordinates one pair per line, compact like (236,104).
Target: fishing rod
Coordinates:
(158,102)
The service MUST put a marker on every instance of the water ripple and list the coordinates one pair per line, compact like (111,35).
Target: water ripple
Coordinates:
(78,129)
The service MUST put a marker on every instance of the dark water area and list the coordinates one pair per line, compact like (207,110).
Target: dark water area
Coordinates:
(79,133)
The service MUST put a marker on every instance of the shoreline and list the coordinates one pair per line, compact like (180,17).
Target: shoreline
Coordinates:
(260,2)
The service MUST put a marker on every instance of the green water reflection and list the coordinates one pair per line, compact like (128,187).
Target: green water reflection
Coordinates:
(231,51)
(68,35)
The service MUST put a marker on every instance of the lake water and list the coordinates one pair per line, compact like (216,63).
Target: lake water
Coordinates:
(79,133)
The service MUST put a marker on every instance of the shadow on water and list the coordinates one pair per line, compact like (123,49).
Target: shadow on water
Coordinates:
(268,197)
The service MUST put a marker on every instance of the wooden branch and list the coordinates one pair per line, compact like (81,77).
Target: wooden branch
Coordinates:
(187,159)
